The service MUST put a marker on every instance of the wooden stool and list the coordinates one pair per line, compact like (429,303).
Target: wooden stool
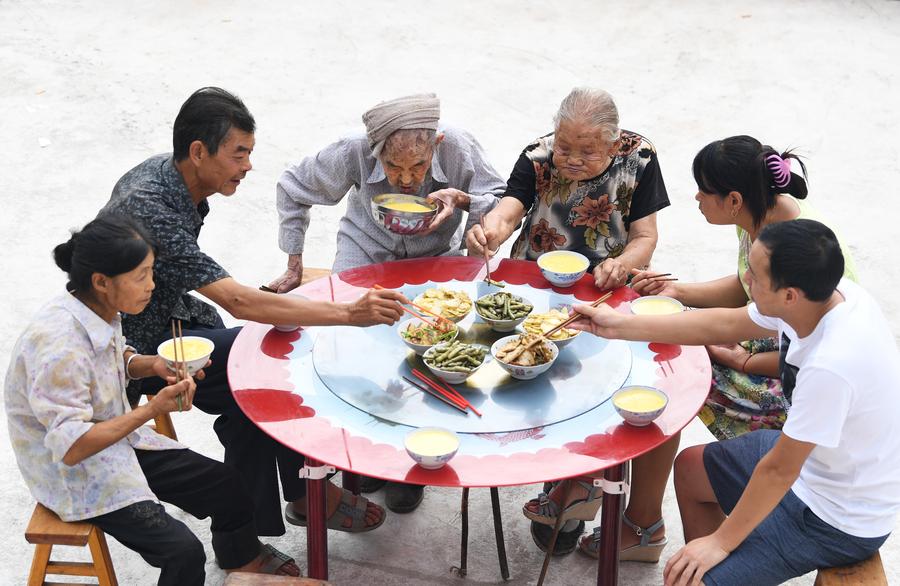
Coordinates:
(247,579)
(866,573)
(311,274)
(46,529)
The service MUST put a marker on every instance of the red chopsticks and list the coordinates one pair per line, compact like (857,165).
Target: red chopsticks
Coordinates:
(431,392)
(447,391)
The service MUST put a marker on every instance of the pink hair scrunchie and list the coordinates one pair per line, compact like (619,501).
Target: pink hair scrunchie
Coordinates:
(780,169)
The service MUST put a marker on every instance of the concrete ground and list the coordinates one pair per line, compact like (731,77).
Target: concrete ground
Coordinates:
(89,89)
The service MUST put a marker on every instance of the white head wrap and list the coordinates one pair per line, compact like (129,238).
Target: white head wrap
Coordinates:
(406,113)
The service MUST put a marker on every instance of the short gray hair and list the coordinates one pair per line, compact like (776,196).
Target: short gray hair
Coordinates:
(412,140)
(591,105)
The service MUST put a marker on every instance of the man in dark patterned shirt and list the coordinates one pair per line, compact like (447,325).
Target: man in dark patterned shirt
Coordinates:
(213,137)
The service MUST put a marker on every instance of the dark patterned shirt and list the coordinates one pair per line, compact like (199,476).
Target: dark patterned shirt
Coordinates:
(154,194)
(592,216)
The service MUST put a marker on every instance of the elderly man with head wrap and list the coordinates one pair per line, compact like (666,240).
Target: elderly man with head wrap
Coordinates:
(403,150)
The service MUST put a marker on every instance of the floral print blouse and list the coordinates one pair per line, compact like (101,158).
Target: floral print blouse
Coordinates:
(593,216)
(67,372)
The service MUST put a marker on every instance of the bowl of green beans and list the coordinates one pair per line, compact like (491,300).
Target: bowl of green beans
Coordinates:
(503,311)
(455,361)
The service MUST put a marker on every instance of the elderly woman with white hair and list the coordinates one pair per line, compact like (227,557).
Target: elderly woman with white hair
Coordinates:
(592,188)
(588,186)
(406,150)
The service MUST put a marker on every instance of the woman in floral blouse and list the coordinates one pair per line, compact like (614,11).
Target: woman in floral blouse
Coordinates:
(85,454)
(588,187)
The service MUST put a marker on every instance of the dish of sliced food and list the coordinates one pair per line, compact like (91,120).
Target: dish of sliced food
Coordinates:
(455,356)
(503,306)
(541,323)
(446,303)
(426,334)
(526,350)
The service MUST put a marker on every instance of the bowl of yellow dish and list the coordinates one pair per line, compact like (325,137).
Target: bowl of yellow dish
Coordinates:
(403,214)
(639,405)
(197,351)
(541,323)
(453,305)
(563,267)
(656,305)
(431,447)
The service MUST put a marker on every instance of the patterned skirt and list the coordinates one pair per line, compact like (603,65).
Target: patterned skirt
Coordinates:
(740,402)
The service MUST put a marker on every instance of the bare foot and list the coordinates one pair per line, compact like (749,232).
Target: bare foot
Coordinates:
(333,494)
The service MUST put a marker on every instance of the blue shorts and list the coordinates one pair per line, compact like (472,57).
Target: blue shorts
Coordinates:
(791,541)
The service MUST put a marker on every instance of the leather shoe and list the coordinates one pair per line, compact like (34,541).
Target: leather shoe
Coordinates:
(403,498)
(368,484)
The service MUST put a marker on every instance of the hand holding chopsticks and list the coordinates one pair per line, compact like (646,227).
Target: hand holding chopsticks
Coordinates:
(440,318)
(545,337)
(648,283)
(181,372)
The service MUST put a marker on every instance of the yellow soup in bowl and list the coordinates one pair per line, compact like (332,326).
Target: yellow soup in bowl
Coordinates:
(639,400)
(432,442)
(193,349)
(656,305)
(563,263)
(406,206)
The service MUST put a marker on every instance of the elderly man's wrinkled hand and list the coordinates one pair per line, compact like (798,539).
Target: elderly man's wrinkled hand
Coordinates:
(377,306)
(478,240)
(610,274)
(689,564)
(448,201)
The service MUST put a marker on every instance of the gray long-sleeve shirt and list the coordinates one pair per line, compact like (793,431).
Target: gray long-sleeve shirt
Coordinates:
(348,166)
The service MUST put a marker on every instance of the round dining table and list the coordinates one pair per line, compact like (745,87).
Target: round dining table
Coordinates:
(338,395)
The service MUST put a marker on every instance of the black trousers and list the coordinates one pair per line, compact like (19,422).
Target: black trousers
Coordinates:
(202,487)
(257,457)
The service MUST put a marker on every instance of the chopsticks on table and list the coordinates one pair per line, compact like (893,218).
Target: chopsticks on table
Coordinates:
(447,391)
(436,395)
(180,365)
(420,308)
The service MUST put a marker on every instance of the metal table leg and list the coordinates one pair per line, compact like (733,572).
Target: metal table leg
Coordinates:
(611,527)
(498,533)
(316,532)
(464,546)
(350,481)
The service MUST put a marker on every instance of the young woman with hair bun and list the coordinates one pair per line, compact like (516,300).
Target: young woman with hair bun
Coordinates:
(85,454)
(749,185)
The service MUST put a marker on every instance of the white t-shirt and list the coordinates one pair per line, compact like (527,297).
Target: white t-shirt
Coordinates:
(847,402)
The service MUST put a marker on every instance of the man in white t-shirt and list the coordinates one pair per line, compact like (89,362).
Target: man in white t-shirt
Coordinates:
(824,491)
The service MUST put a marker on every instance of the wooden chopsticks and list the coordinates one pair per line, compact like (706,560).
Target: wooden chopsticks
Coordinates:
(447,391)
(487,267)
(577,316)
(180,365)
(420,308)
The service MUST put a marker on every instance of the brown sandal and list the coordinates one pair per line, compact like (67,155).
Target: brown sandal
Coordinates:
(275,562)
(345,509)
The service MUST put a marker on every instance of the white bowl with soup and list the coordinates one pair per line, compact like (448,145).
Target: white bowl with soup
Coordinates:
(197,351)
(403,214)
(639,405)
(563,268)
(431,447)
(656,305)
